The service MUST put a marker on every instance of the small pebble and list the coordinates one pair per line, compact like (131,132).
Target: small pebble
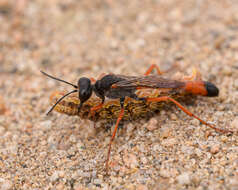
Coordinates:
(165,132)
(88,129)
(215,148)
(234,181)
(80,145)
(130,160)
(224,138)
(226,70)
(60,186)
(169,142)
(46,125)
(143,159)
(141,187)
(72,139)
(173,116)
(198,152)
(152,124)
(97,181)
(80,187)
(56,175)
(5,184)
(195,122)
(234,124)
(184,178)
(164,173)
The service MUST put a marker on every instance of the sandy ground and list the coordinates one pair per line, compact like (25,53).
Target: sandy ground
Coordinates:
(74,38)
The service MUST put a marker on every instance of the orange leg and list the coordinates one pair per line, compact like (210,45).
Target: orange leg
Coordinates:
(159,72)
(113,136)
(153,66)
(195,76)
(166,98)
(93,80)
(122,100)
(95,108)
(93,111)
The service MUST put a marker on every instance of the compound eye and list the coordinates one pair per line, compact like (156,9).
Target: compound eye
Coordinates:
(83,93)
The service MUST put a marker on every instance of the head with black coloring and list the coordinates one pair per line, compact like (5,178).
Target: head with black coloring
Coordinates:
(84,89)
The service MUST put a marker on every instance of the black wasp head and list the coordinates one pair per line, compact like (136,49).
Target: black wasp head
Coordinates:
(85,89)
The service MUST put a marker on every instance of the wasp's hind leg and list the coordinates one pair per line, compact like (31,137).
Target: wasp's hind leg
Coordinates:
(159,72)
(150,69)
(196,76)
(166,98)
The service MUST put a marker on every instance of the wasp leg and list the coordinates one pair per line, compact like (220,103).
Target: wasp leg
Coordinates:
(153,66)
(95,108)
(166,98)
(93,112)
(122,100)
(159,72)
(93,80)
(196,75)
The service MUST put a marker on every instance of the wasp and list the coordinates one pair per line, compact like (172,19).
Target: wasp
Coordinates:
(115,86)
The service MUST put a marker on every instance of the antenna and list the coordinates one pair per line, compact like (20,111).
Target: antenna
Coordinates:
(58,79)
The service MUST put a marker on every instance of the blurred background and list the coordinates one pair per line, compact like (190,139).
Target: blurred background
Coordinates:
(91,37)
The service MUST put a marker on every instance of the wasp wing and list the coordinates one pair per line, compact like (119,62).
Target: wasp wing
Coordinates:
(151,81)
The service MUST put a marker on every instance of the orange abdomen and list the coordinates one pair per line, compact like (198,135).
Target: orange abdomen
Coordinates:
(201,88)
